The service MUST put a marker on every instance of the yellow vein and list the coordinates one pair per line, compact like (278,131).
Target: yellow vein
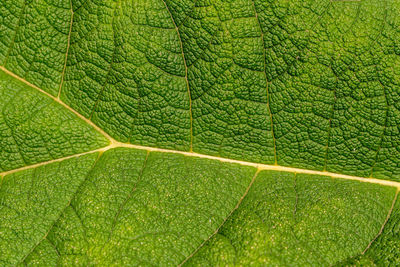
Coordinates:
(222,224)
(115,144)
(264,166)
(53,160)
(60,102)
(384,223)
(186,76)
(265,75)
(66,53)
(260,166)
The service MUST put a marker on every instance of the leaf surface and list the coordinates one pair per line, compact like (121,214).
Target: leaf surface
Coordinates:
(210,133)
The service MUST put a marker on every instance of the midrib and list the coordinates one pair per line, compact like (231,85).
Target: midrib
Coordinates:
(115,144)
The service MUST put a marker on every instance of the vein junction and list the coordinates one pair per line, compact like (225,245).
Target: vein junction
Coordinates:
(115,144)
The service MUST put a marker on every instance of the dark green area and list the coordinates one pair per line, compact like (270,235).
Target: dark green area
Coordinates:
(311,84)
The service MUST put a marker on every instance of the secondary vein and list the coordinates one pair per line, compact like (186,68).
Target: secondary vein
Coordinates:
(66,53)
(60,214)
(60,102)
(384,223)
(226,219)
(110,67)
(186,76)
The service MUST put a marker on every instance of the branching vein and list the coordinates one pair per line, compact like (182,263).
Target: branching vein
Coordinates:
(384,223)
(222,224)
(114,144)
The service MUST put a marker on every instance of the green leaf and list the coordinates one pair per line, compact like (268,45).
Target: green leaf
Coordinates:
(199,132)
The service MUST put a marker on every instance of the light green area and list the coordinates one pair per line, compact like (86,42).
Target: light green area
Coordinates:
(155,209)
(138,209)
(386,250)
(34,128)
(31,202)
(313,84)
(298,220)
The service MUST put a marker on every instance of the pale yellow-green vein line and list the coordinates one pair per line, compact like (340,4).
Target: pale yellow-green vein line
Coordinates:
(222,224)
(60,102)
(384,223)
(115,144)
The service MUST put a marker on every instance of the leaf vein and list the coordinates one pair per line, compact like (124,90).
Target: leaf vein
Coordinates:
(266,80)
(186,76)
(225,220)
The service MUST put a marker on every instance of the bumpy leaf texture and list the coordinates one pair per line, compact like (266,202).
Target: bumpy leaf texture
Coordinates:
(199,132)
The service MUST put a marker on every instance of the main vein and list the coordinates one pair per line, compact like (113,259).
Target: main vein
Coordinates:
(115,144)
(259,166)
